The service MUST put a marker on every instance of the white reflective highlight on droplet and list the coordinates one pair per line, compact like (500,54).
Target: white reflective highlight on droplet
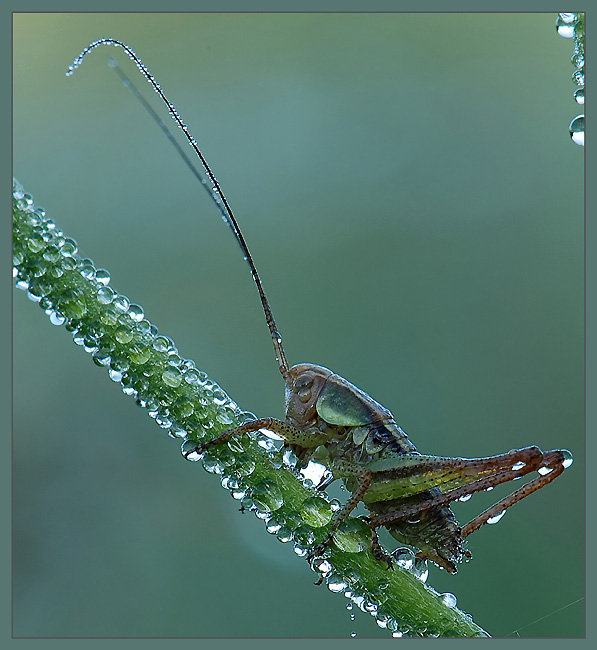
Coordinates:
(496,518)
(577,130)
(448,599)
(313,472)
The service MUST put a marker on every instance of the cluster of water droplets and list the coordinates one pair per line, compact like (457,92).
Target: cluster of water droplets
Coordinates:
(571,25)
(182,400)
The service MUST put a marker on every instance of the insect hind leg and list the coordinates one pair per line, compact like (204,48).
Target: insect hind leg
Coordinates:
(555,463)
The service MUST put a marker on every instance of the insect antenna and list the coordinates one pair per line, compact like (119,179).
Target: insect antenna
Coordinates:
(215,190)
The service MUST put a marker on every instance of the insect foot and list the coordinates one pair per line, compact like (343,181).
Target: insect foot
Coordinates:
(378,553)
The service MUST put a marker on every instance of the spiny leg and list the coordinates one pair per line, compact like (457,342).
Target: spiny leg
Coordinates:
(287,431)
(555,461)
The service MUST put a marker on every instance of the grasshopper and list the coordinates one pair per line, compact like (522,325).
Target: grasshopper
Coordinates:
(331,421)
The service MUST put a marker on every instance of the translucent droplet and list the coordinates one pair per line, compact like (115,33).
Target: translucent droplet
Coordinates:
(336,583)
(105,295)
(420,569)
(284,535)
(102,276)
(178,432)
(568,460)
(139,355)
(577,130)
(578,78)
(567,18)
(353,634)
(121,303)
(578,60)
(579,96)
(518,466)
(404,557)
(86,269)
(123,335)
(220,397)
(69,247)
(496,518)
(565,25)
(172,377)
(289,458)
(56,319)
(267,496)
(225,417)
(212,465)
(162,343)
(466,497)
(188,450)
(136,312)
(101,357)
(316,511)
(273,526)
(352,536)
(448,599)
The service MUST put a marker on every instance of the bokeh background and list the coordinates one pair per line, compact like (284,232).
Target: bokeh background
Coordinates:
(414,204)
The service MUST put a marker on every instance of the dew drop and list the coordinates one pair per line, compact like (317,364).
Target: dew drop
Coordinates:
(448,599)
(466,497)
(316,511)
(212,465)
(123,335)
(69,247)
(267,496)
(102,276)
(404,557)
(568,460)
(284,535)
(496,518)
(579,96)
(56,319)
(565,25)
(351,536)
(121,303)
(189,450)
(273,526)
(172,377)
(420,569)
(336,583)
(578,78)
(567,18)
(577,130)
(105,295)
(518,466)
(322,566)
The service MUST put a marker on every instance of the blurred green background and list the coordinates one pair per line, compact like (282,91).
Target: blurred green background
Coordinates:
(414,204)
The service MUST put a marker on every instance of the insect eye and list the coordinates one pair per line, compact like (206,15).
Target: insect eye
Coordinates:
(303,388)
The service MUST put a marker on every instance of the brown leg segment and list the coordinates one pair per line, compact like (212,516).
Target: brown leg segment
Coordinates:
(287,431)
(551,459)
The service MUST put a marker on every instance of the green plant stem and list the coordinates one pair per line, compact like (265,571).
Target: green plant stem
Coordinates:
(183,400)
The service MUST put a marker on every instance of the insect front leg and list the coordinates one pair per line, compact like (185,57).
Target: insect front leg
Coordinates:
(287,431)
